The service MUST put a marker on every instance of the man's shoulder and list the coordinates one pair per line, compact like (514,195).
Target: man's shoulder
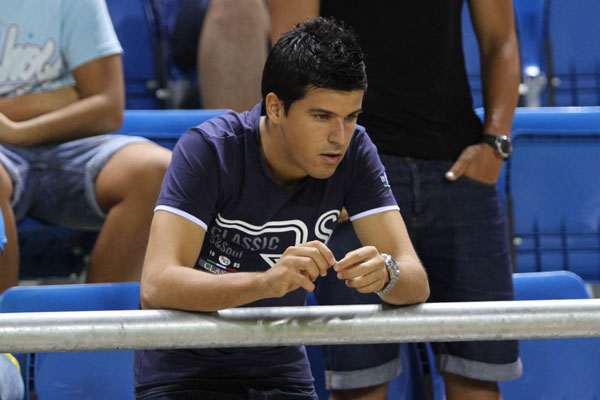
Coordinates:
(229,125)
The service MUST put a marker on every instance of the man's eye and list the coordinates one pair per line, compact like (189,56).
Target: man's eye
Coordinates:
(351,117)
(321,116)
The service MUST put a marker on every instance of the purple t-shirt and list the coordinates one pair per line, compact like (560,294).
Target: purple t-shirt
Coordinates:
(218,180)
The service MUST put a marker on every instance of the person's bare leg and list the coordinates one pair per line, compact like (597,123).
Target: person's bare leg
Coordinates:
(127,187)
(461,388)
(231,53)
(9,260)
(377,392)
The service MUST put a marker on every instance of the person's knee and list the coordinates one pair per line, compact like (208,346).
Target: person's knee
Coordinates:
(147,169)
(134,173)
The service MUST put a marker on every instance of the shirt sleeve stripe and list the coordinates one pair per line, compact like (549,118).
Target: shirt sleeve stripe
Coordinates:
(183,214)
(374,211)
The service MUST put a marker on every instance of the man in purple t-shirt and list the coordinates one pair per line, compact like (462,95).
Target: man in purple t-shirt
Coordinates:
(247,207)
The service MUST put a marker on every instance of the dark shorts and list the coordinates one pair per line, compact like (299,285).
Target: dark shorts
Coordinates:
(226,392)
(460,234)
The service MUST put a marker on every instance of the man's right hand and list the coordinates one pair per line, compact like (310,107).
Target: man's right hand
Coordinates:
(299,266)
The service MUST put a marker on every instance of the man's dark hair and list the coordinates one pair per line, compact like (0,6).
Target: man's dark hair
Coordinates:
(318,53)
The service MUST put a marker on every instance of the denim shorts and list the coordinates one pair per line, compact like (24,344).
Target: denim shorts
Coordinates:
(55,182)
(459,231)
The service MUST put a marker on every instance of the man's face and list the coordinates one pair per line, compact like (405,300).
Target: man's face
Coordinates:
(313,137)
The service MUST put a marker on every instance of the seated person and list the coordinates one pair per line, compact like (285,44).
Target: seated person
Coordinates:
(247,207)
(61,87)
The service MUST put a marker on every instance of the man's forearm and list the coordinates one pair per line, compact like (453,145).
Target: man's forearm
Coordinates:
(500,82)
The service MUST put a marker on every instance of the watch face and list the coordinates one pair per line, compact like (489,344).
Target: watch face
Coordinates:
(504,146)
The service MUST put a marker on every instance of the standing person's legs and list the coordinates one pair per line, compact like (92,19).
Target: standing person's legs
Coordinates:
(231,53)
(459,231)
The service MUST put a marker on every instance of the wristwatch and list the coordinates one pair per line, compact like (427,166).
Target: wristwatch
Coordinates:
(500,143)
(393,271)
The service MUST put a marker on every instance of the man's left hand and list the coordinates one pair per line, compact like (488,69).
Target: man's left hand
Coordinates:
(363,269)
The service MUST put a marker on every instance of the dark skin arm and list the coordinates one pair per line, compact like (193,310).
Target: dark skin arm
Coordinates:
(493,21)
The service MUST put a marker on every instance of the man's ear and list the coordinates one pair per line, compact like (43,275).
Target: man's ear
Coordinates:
(274,108)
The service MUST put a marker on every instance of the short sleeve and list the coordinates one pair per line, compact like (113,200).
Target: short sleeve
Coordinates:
(87,32)
(191,185)
(368,191)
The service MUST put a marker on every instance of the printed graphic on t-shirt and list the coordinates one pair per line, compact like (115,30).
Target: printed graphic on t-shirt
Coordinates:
(230,241)
(25,65)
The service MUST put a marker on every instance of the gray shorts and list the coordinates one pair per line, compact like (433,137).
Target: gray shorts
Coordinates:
(55,182)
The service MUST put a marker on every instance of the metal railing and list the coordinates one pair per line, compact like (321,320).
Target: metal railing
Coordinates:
(277,326)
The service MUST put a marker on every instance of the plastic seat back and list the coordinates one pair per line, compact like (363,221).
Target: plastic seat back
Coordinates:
(573,31)
(553,181)
(555,369)
(82,375)
(137,27)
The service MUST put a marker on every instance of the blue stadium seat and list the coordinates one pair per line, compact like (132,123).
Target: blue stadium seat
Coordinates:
(164,126)
(138,28)
(574,67)
(555,369)
(91,375)
(553,187)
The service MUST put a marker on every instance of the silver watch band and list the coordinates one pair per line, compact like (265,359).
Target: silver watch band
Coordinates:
(394,273)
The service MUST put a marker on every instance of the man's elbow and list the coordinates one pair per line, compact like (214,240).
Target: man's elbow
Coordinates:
(148,295)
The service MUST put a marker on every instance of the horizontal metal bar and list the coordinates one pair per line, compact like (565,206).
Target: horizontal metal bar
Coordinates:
(276,326)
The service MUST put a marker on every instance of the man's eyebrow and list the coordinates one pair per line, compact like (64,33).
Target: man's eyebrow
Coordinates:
(323,111)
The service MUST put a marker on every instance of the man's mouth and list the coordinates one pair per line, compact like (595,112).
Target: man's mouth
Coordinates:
(331,158)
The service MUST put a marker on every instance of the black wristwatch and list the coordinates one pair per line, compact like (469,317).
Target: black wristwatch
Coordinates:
(500,143)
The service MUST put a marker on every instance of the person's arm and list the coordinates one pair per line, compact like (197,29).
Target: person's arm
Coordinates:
(285,14)
(364,269)
(170,281)
(493,22)
(99,108)
(30,105)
